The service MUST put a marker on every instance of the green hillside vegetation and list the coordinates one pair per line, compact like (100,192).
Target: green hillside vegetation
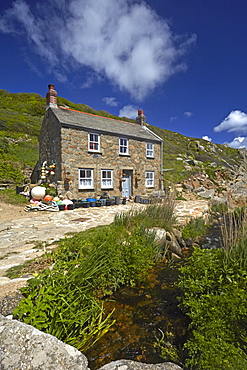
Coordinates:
(203,155)
(20,121)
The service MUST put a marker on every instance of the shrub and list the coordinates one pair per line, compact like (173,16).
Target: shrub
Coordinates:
(195,228)
(214,297)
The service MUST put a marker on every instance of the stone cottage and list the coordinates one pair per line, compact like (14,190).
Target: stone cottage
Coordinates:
(94,154)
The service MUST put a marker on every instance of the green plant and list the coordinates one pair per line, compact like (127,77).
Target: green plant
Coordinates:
(61,303)
(196,227)
(10,196)
(66,302)
(220,208)
(166,348)
(154,215)
(4,145)
(214,296)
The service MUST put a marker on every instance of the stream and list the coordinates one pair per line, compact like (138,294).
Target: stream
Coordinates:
(146,312)
(142,314)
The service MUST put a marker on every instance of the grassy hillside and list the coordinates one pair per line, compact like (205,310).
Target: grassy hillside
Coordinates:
(183,156)
(20,122)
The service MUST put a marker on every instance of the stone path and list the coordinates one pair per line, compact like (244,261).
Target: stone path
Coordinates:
(27,238)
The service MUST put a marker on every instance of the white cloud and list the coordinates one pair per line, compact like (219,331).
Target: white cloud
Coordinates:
(236,121)
(125,42)
(206,138)
(238,142)
(174,118)
(110,101)
(129,111)
(188,114)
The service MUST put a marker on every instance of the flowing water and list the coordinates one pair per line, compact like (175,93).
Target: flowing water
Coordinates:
(142,314)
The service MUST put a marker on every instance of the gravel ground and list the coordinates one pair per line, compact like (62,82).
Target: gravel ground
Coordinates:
(9,302)
(10,212)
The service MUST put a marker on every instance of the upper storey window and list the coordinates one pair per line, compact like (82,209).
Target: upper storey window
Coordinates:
(94,142)
(123,146)
(150,150)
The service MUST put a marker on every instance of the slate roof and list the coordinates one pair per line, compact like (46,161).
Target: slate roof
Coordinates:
(87,121)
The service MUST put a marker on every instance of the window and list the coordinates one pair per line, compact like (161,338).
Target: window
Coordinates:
(94,142)
(150,150)
(149,179)
(123,146)
(85,178)
(106,179)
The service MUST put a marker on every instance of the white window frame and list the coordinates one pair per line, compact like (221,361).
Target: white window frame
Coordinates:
(106,179)
(150,150)
(86,179)
(123,146)
(150,179)
(93,142)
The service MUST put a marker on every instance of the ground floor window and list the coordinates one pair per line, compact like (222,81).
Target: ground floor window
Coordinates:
(86,178)
(149,179)
(106,179)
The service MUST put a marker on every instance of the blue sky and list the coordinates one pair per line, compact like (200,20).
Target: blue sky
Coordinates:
(182,62)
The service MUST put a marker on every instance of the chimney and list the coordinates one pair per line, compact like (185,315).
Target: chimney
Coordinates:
(51,97)
(141,119)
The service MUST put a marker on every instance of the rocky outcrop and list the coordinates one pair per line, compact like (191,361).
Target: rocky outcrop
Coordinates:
(132,365)
(24,347)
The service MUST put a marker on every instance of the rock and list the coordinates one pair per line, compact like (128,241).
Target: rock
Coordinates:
(160,234)
(188,168)
(199,189)
(207,193)
(190,162)
(160,237)
(175,256)
(9,302)
(172,244)
(195,183)
(188,187)
(218,200)
(213,164)
(24,347)
(179,237)
(166,239)
(133,365)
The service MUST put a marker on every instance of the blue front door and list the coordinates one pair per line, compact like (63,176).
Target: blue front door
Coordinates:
(126,184)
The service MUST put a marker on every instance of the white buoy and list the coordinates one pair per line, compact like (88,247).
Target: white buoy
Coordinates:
(38,192)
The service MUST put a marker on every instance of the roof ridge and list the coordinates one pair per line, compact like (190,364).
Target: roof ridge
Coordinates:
(95,115)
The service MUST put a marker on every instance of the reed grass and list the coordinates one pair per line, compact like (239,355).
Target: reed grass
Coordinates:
(233,228)
(154,215)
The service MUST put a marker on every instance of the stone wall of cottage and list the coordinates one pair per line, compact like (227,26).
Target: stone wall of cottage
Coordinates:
(50,144)
(75,155)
